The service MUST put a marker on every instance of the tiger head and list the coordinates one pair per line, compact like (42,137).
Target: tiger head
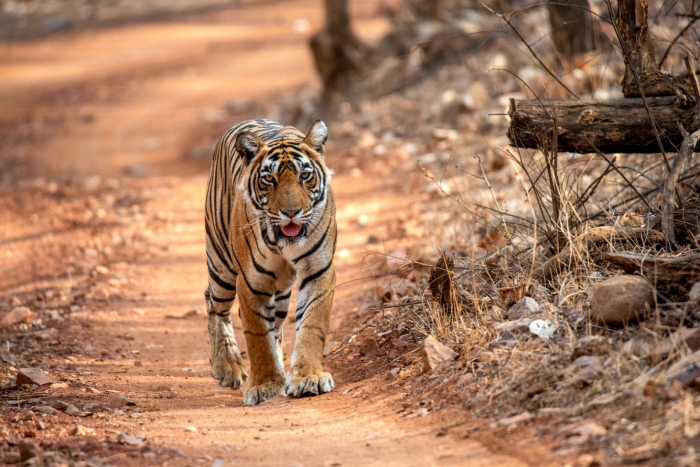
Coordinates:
(287,182)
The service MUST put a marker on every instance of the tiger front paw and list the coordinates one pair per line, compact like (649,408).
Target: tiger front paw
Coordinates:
(255,395)
(227,366)
(312,383)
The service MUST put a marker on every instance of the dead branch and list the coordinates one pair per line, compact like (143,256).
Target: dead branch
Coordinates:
(573,253)
(614,126)
(668,205)
(672,276)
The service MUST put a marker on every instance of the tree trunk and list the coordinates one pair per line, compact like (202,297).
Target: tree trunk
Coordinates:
(339,55)
(574,30)
(614,126)
(639,55)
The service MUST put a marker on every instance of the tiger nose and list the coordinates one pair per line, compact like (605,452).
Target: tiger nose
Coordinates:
(291,212)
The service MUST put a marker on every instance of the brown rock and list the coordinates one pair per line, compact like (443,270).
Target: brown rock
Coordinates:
(686,370)
(525,307)
(590,345)
(680,339)
(118,402)
(12,458)
(620,299)
(368,346)
(434,353)
(29,450)
(19,315)
(587,368)
(80,430)
(69,409)
(33,376)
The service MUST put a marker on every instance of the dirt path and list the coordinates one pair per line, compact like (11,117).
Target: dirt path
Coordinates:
(102,102)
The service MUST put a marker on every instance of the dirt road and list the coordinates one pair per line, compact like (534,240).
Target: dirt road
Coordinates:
(130,100)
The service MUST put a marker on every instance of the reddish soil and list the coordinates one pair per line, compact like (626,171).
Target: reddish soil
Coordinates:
(130,100)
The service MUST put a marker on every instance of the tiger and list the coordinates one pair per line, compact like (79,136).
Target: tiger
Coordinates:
(270,216)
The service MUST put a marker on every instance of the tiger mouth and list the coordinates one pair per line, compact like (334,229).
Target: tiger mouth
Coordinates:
(290,230)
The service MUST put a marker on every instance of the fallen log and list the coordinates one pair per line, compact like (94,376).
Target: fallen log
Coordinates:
(613,126)
(671,275)
(578,250)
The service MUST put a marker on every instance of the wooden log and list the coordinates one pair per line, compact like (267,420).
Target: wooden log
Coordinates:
(672,275)
(613,126)
(580,248)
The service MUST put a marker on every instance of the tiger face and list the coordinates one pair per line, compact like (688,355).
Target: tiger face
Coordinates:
(287,182)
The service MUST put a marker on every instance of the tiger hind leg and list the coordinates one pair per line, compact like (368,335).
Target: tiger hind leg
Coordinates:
(227,365)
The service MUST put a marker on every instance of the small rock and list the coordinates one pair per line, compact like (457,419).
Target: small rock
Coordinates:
(435,353)
(129,440)
(506,336)
(686,370)
(29,450)
(19,315)
(543,328)
(39,425)
(80,430)
(588,368)
(135,415)
(117,402)
(681,339)
(12,458)
(69,409)
(636,347)
(217,463)
(368,346)
(517,326)
(191,429)
(59,386)
(590,345)
(620,299)
(193,313)
(580,432)
(45,409)
(526,306)
(93,407)
(33,376)
(694,294)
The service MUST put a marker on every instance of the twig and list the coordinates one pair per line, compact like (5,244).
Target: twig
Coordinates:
(635,197)
(493,195)
(585,196)
(693,79)
(631,185)
(531,51)
(675,39)
(687,148)
(526,85)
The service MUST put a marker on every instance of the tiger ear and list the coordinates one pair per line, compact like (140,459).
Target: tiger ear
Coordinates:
(317,136)
(249,145)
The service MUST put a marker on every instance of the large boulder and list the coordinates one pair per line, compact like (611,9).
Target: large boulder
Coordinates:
(621,299)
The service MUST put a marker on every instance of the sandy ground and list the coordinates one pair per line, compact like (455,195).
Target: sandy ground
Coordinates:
(129,100)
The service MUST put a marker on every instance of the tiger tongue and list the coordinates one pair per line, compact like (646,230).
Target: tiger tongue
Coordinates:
(291,229)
